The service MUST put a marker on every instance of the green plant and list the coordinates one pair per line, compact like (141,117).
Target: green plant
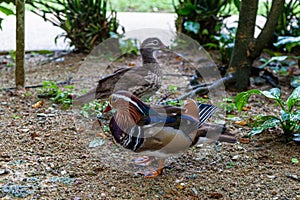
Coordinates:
(5,9)
(225,44)
(86,22)
(127,46)
(278,64)
(93,109)
(200,19)
(288,43)
(289,20)
(51,90)
(289,119)
(142,5)
(227,105)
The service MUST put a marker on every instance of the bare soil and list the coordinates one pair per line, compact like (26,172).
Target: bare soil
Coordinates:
(44,156)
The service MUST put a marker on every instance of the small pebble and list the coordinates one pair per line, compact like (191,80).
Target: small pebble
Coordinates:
(63,172)
(271,176)
(103,195)
(24,130)
(236,157)
(41,115)
(195,191)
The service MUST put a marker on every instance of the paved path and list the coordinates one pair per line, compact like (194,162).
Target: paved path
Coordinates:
(40,35)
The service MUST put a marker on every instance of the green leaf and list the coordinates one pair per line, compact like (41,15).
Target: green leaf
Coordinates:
(285,116)
(256,131)
(295,160)
(284,40)
(295,116)
(187,9)
(293,98)
(192,26)
(237,4)
(6,11)
(274,93)
(270,123)
(259,120)
(242,98)
(275,58)
(295,81)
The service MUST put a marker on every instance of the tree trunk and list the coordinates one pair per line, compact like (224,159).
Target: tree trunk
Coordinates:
(266,35)
(247,48)
(241,61)
(20,52)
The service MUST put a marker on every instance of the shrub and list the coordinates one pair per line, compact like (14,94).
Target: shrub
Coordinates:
(289,20)
(289,118)
(86,22)
(200,19)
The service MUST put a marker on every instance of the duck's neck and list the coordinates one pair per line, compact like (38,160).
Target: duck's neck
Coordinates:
(148,56)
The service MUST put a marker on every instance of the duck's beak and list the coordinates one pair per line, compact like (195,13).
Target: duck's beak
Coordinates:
(163,46)
(108,108)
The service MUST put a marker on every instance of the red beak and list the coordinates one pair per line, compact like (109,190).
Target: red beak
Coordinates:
(108,108)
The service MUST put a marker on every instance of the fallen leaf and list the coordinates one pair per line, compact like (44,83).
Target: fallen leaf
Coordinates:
(180,186)
(131,64)
(242,123)
(244,140)
(215,195)
(38,104)
(246,108)
(178,58)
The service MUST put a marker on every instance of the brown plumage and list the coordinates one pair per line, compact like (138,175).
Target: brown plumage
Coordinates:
(143,81)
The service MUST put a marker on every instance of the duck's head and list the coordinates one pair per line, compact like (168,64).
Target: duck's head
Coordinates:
(153,43)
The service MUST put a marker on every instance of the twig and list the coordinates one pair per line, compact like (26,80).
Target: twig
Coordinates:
(205,89)
(178,75)
(67,82)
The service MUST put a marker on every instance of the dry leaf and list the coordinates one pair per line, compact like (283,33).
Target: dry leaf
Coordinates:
(131,64)
(215,195)
(244,140)
(180,186)
(246,108)
(242,123)
(38,104)
(178,58)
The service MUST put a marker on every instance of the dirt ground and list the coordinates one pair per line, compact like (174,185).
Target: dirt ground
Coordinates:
(44,156)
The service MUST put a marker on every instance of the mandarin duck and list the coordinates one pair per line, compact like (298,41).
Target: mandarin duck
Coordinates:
(157,131)
(143,81)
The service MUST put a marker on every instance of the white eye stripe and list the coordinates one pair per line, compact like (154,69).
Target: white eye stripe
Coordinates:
(128,100)
(155,42)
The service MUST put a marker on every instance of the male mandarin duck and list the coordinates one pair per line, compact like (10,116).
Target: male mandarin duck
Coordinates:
(143,81)
(157,131)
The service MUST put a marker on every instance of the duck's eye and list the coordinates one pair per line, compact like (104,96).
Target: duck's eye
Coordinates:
(155,42)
